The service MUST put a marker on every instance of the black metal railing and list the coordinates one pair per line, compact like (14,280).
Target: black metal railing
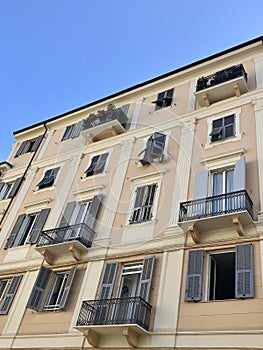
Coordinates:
(221,77)
(80,232)
(132,310)
(216,205)
(105,117)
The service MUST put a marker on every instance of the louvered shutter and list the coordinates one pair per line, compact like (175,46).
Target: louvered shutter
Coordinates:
(15,187)
(194,276)
(146,278)
(37,143)
(201,184)
(90,170)
(49,178)
(77,129)
(65,294)
(125,108)
(39,288)
(21,149)
(65,220)
(1,185)
(15,231)
(100,165)
(157,146)
(239,177)
(108,280)
(67,133)
(93,211)
(37,228)
(10,294)
(244,271)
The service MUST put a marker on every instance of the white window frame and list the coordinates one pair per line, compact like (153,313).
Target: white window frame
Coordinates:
(103,173)
(234,138)
(6,287)
(5,190)
(54,307)
(43,176)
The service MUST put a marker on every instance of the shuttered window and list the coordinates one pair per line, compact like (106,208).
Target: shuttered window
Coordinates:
(8,289)
(29,146)
(97,165)
(223,128)
(143,205)
(49,178)
(9,190)
(164,99)
(194,276)
(72,131)
(154,150)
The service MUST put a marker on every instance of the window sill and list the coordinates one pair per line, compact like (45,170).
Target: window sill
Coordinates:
(86,178)
(46,189)
(140,224)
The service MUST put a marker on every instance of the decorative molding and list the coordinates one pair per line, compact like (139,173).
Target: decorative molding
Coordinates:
(75,251)
(258,104)
(237,153)
(131,337)
(239,227)
(37,205)
(87,193)
(149,176)
(92,337)
(48,256)
(195,233)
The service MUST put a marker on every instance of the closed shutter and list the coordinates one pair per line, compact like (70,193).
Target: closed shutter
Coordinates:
(67,133)
(93,211)
(65,294)
(37,143)
(65,220)
(39,288)
(194,276)
(77,129)
(38,225)
(108,280)
(146,278)
(15,231)
(201,184)
(21,149)
(125,108)
(240,175)
(15,187)
(1,186)
(244,271)
(10,294)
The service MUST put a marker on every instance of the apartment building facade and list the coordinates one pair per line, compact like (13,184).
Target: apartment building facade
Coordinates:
(136,221)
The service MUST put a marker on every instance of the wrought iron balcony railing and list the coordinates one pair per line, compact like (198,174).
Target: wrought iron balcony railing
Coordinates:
(216,205)
(132,310)
(80,232)
(221,77)
(105,116)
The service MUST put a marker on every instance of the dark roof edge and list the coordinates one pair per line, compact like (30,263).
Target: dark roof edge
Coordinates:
(134,87)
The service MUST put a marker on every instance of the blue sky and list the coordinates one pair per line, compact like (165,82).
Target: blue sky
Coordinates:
(57,55)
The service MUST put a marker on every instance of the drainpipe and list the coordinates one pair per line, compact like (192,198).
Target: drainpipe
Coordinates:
(23,176)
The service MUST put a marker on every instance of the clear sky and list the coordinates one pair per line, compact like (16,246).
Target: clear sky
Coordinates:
(58,55)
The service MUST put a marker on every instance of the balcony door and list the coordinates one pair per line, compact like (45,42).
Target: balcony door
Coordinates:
(222,183)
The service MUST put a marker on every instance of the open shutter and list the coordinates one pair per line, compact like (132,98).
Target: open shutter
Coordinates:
(65,220)
(146,278)
(93,211)
(100,165)
(201,184)
(15,231)
(37,143)
(194,276)
(108,280)
(10,294)
(244,271)
(37,228)
(65,294)
(15,187)
(1,185)
(38,290)
(21,148)
(157,146)
(125,108)
(240,175)
(77,129)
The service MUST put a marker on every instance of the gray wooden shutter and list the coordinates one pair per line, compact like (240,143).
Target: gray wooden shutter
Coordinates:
(100,165)
(93,211)
(240,175)
(146,278)
(201,184)
(37,143)
(37,228)
(21,148)
(15,187)
(194,276)
(1,185)
(157,145)
(39,288)
(10,294)
(15,231)
(108,280)
(77,129)
(65,294)
(65,220)
(125,108)
(244,271)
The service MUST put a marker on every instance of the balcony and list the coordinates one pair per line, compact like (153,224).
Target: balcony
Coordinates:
(129,317)
(223,84)
(104,124)
(58,242)
(220,211)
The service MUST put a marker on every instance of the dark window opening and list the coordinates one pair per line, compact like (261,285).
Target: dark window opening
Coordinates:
(164,99)
(97,165)
(223,128)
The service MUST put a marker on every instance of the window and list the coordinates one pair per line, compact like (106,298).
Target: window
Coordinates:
(223,128)
(164,99)
(9,189)
(51,289)
(72,131)
(8,289)
(154,150)
(27,229)
(29,146)
(97,164)
(143,204)
(229,274)
(48,179)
